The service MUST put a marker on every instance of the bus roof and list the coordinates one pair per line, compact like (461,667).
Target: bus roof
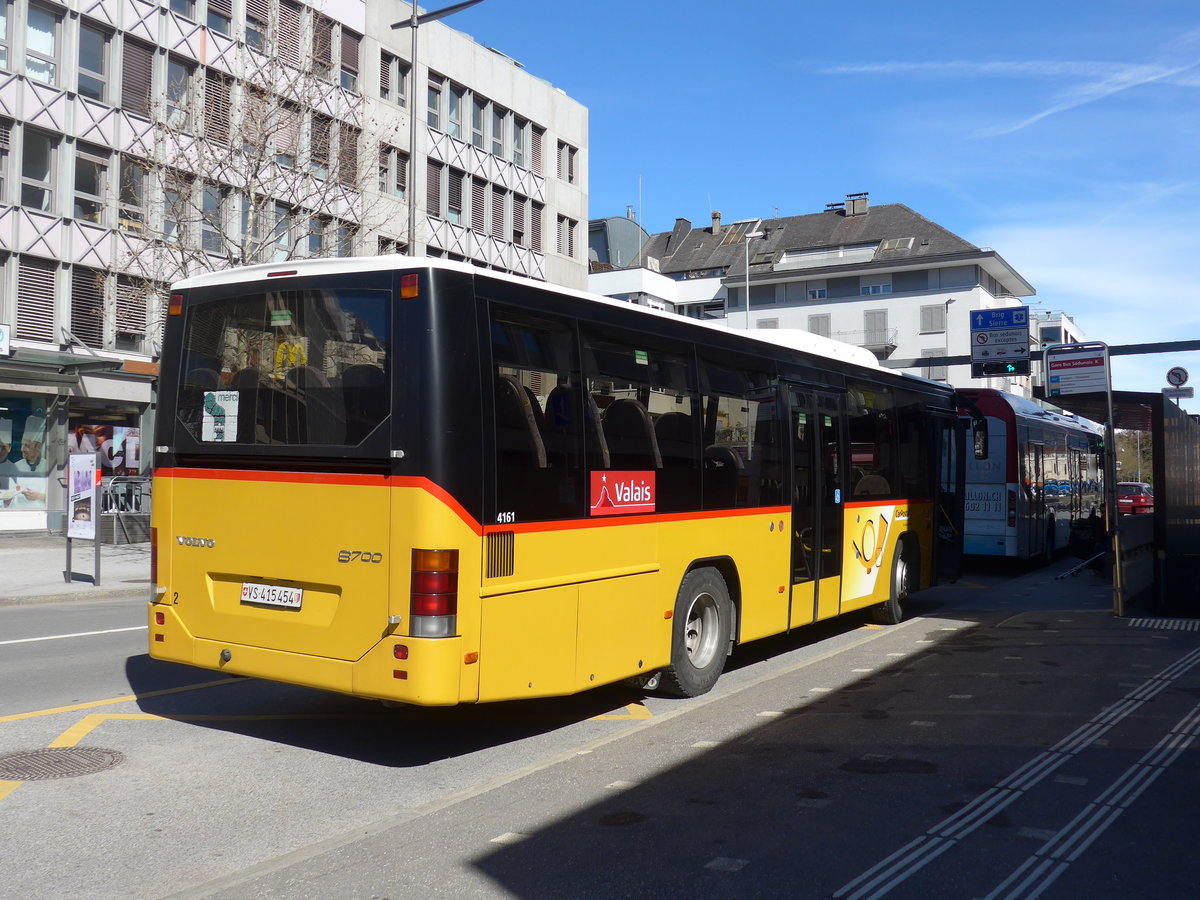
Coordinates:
(1023,408)
(790,338)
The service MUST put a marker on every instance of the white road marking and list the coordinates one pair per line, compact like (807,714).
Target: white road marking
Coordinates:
(59,637)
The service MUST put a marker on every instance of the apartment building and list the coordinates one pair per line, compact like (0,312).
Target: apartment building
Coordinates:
(882,277)
(145,140)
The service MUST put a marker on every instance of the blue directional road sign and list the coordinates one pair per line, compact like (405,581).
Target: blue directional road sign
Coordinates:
(1000,335)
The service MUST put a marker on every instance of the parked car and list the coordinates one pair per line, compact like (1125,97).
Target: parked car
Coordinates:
(1134,497)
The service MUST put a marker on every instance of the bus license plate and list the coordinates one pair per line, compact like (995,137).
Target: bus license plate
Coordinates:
(272,595)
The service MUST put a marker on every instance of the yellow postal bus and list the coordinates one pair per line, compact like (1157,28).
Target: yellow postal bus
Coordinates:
(414,480)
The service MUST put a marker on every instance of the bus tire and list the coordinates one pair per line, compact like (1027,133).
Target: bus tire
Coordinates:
(700,634)
(891,612)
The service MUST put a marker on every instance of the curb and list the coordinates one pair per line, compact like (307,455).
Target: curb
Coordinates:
(80,594)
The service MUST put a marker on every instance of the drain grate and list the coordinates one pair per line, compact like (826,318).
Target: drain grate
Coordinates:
(57,762)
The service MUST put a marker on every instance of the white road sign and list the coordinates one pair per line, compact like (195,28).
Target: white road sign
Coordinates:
(1072,371)
(1177,376)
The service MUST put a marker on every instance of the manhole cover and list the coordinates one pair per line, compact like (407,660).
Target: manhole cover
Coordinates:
(57,762)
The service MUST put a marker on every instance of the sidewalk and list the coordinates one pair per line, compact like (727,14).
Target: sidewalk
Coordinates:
(33,566)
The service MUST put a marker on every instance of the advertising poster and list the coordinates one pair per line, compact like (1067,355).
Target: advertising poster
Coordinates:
(82,495)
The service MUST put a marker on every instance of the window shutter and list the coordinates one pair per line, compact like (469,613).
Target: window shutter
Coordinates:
(137,76)
(289,32)
(535,227)
(454,199)
(217,112)
(385,74)
(131,307)
(433,190)
(260,9)
(479,205)
(5,130)
(348,155)
(498,213)
(35,299)
(321,128)
(350,44)
(322,46)
(402,172)
(224,7)
(287,138)
(518,219)
(87,305)
(535,149)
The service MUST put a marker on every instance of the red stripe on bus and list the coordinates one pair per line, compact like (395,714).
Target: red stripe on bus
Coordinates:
(610,521)
(390,481)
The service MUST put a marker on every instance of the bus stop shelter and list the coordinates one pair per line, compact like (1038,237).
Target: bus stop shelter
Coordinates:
(1171,556)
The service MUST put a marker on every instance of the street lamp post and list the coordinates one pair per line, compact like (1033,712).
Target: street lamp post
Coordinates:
(746,244)
(415,21)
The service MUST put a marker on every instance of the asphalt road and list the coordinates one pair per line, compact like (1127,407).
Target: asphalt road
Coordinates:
(999,743)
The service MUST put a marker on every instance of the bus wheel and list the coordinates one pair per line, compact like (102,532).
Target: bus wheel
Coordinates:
(891,612)
(700,634)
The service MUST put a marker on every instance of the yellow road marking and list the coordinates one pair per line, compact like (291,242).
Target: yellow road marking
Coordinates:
(84,726)
(7,787)
(632,711)
(95,704)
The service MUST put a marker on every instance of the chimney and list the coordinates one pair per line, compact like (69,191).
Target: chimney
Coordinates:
(683,227)
(629,214)
(716,229)
(857,204)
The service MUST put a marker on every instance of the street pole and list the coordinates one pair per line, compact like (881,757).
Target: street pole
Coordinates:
(414,22)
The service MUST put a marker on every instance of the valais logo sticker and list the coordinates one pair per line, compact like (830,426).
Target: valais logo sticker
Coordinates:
(618,493)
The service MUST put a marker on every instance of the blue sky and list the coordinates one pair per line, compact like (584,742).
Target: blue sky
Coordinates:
(1064,135)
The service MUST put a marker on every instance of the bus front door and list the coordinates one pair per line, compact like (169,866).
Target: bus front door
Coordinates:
(818,467)
(950,517)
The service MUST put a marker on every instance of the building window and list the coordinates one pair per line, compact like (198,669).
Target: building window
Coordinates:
(87,305)
(322,46)
(348,155)
(536,139)
(819,325)
(875,327)
(519,206)
(393,171)
(433,188)
(454,111)
(346,234)
(137,69)
(934,373)
(818,294)
(351,43)
(91,183)
(499,208)
(35,299)
(281,232)
(320,134)
(180,75)
(566,236)
(258,14)
(218,111)
(318,227)
(454,197)
(933,318)
(868,290)
(184,8)
(131,312)
(38,151)
(566,162)
(536,211)
(478,118)
(41,45)
(499,116)
(5,140)
(287,135)
(214,215)
(131,195)
(518,142)
(433,103)
(4,4)
(393,79)
(177,195)
(220,17)
(93,62)
(287,43)
(479,189)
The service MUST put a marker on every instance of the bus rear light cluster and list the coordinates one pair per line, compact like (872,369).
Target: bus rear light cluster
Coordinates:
(433,597)
(1012,509)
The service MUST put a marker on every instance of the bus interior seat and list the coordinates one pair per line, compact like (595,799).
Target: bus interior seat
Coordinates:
(676,437)
(364,394)
(315,407)
(722,472)
(518,440)
(872,484)
(630,435)
(560,429)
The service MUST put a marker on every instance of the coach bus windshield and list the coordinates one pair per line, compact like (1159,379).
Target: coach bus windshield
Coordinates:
(288,367)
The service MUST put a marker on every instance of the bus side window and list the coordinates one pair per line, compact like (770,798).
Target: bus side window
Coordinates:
(518,438)
(630,436)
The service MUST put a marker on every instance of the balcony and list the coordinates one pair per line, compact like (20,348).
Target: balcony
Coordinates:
(880,341)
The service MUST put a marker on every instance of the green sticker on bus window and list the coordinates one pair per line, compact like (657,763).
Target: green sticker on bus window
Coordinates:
(281,317)
(641,357)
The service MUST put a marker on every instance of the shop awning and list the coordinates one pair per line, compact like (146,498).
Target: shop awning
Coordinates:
(51,367)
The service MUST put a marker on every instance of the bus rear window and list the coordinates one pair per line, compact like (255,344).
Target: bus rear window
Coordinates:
(306,367)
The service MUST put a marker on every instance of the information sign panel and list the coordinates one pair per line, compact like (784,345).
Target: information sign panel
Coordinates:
(82,495)
(1070,370)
